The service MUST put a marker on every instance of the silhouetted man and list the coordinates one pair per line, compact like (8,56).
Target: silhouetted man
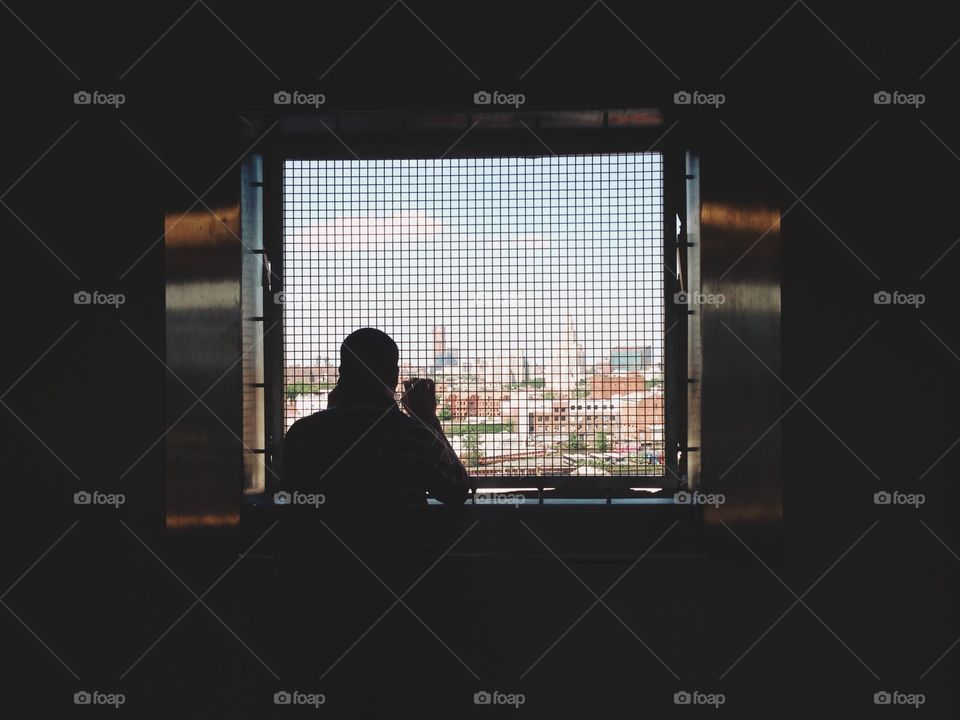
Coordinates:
(373,466)
(363,451)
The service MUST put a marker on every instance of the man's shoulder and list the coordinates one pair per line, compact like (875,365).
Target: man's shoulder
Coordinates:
(412,426)
(393,422)
(308,421)
(338,417)
(309,426)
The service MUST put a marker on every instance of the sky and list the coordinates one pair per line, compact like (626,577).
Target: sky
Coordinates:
(497,250)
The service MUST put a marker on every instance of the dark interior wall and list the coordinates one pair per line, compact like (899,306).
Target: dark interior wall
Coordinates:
(92,408)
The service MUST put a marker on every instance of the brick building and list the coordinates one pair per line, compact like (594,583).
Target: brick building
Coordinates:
(607,385)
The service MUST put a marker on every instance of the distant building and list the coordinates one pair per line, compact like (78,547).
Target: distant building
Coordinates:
(607,385)
(408,371)
(583,418)
(642,417)
(311,374)
(477,404)
(536,370)
(569,363)
(505,369)
(516,407)
(443,357)
(630,359)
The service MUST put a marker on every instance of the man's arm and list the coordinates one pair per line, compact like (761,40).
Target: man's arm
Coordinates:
(293,445)
(449,483)
(452,484)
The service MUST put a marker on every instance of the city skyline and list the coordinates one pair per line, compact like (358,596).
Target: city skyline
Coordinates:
(452,358)
(531,288)
(498,251)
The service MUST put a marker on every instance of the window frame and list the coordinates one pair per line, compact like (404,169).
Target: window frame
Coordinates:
(337,138)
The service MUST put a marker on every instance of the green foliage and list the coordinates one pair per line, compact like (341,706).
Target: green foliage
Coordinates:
(295,389)
(475,429)
(537,383)
(471,448)
(601,442)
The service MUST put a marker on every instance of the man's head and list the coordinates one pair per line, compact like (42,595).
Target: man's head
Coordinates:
(369,363)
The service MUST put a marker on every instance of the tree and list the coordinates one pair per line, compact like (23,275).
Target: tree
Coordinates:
(574,442)
(471,448)
(601,441)
(294,390)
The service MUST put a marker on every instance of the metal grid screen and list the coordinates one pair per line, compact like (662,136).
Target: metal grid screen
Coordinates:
(529,288)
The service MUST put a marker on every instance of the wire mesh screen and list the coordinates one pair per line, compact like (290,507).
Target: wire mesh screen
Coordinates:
(529,288)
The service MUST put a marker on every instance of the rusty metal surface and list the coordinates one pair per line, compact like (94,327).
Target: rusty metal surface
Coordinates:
(203,305)
(741,399)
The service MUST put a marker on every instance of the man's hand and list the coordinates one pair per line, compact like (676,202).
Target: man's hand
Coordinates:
(420,399)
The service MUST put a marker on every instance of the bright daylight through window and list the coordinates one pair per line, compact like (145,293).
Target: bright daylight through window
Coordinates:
(530,288)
